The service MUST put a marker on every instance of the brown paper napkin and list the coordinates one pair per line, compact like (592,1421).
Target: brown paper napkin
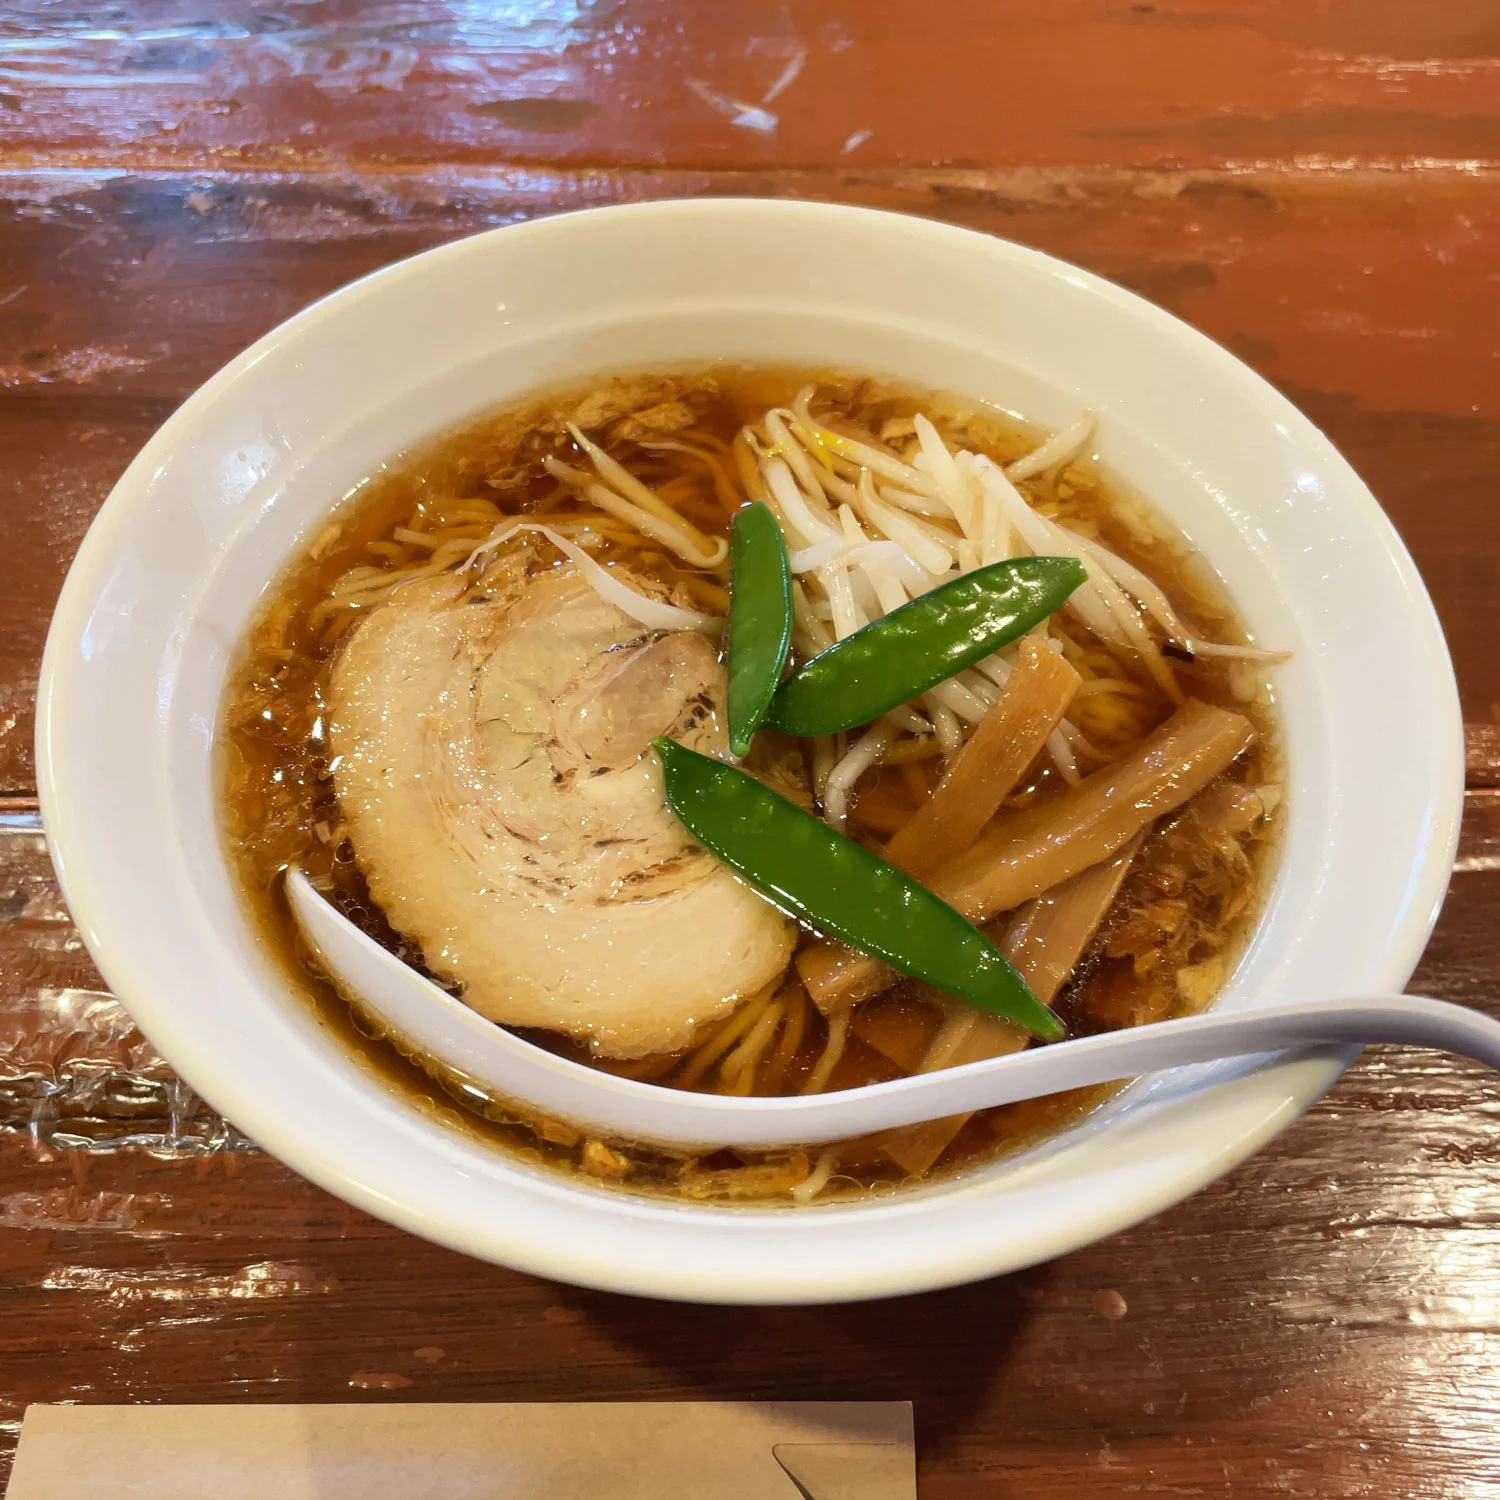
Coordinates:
(818,1450)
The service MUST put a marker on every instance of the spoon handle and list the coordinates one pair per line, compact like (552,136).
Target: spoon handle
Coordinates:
(1108,1057)
(1140,1050)
(1408,1019)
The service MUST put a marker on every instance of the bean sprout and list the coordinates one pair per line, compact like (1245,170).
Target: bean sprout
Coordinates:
(952,483)
(944,723)
(860,455)
(793,504)
(824,756)
(838,1035)
(912,501)
(671,531)
(905,530)
(654,613)
(1245,653)
(1061,751)
(818,1178)
(1058,448)
(872,745)
(630,488)
(810,559)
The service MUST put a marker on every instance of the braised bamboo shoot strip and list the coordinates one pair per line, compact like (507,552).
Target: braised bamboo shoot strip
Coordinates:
(838,887)
(1044,845)
(1045,942)
(968,1035)
(1048,935)
(1041,847)
(899,1029)
(916,1148)
(837,977)
(986,770)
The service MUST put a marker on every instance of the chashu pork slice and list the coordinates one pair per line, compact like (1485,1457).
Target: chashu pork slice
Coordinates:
(493,765)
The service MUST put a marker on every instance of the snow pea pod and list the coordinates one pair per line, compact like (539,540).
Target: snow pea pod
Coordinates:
(922,644)
(836,886)
(760,620)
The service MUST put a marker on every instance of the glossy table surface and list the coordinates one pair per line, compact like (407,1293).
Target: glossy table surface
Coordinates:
(1315,185)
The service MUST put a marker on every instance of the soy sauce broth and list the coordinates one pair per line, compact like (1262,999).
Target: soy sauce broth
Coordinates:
(1167,946)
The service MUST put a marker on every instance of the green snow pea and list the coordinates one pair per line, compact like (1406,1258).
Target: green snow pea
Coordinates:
(922,644)
(838,887)
(760,620)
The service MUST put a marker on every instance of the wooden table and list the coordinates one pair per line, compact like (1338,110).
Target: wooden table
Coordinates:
(1313,185)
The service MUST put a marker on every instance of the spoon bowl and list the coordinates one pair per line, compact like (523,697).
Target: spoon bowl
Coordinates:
(426,1020)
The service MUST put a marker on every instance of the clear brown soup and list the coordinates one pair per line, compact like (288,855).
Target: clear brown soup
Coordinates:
(1164,949)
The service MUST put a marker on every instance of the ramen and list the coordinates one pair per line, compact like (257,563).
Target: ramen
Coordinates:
(445,710)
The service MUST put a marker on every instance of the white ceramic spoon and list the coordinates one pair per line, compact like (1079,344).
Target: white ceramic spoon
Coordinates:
(431,1022)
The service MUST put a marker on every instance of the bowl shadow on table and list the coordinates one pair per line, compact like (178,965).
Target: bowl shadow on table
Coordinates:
(944,1350)
(947,1351)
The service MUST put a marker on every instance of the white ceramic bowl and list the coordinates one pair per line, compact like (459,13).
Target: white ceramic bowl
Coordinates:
(171,571)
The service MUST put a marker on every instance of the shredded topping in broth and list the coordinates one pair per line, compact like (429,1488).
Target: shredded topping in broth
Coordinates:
(444,711)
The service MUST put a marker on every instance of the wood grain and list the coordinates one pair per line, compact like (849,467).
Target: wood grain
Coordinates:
(1312,185)
(625,83)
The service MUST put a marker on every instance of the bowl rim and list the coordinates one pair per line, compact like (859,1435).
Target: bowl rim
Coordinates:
(89,900)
